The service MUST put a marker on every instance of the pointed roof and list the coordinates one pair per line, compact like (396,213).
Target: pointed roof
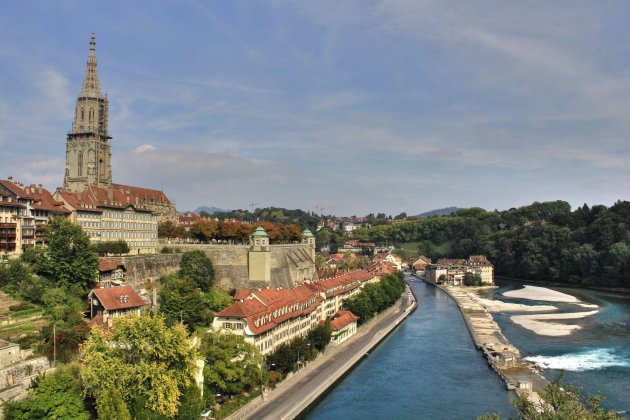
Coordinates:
(91,86)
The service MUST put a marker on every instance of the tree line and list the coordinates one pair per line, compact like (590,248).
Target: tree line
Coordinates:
(542,241)
(207,230)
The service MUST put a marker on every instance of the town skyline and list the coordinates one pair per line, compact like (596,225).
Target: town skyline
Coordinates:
(359,109)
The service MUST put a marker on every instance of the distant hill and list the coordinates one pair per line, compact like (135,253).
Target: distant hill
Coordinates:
(209,210)
(439,212)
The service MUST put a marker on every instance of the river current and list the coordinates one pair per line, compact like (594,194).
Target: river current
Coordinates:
(429,367)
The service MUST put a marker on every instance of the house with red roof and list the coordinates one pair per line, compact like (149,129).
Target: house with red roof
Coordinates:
(111,270)
(24,212)
(390,258)
(112,302)
(343,326)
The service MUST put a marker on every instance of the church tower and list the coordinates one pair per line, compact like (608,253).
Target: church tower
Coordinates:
(88,155)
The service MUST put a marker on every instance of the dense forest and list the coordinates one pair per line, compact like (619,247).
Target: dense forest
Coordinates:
(543,241)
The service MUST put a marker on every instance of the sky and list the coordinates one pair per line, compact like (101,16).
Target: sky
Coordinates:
(352,106)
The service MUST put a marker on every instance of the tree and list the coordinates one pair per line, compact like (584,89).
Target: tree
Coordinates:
(320,336)
(473,280)
(55,396)
(204,230)
(143,358)
(169,229)
(233,367)
(217,300)
(71,261)
(117,247)
(561,402)
(110,406)
(197,267)
(181,300)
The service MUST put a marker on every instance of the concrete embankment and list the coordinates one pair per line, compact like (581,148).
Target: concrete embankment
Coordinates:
(295,394)
(505,359)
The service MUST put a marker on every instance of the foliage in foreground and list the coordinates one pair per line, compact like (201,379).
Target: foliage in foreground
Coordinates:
(233,366)
(560,402)
(55,396)
(144,359)
(287,357)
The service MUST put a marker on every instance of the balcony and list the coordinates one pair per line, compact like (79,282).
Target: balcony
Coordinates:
(8,225)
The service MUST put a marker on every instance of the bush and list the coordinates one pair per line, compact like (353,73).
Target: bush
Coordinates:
(118,247)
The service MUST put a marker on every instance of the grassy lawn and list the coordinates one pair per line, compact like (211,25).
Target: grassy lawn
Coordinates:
(410,249)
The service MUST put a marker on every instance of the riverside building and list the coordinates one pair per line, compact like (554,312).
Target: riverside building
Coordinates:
(270,317)
(453,271)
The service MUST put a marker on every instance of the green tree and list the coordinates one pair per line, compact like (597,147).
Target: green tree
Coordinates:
(111,406)
(233,366)
(197,267)
(473,280)
(181,300)
(71,261)
(55,396)
(560,402)
(143,358)
(320,336)
(217,300)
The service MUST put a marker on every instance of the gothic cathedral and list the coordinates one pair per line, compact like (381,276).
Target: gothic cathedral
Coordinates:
(88,155)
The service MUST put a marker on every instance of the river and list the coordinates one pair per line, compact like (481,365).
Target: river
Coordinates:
(429,368)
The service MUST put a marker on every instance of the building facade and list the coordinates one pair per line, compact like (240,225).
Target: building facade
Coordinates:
(453,271)
(270,317)
(25,210)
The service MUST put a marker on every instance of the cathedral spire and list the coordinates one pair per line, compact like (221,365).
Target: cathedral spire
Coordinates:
(91,86)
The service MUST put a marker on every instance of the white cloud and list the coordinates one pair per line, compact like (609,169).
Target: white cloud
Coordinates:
(144,148)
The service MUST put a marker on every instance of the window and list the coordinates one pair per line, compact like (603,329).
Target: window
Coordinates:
(80,168)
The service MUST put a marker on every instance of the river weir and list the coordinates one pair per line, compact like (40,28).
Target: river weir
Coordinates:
(519,375)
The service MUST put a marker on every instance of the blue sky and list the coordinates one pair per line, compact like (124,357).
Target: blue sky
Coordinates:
(356,106)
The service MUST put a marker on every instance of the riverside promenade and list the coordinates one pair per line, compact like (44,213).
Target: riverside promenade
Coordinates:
(519,375)
(296,393)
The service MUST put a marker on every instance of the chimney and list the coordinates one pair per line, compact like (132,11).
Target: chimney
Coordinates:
(10,178)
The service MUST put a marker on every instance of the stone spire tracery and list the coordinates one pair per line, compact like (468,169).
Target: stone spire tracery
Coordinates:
(88,155)
(91,86)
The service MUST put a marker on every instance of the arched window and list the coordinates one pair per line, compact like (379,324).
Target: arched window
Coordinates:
(91,114)
(80,168)
(82,115)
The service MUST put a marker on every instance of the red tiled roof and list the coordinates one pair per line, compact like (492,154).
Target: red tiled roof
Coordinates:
(14,188)
(109,264)
(337,285)
(264,309)
(146,194)
(95,197)
(478,260)
(342,319)
(110,298)
(43,200)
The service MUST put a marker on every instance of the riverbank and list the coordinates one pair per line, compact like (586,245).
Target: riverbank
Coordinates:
(505,359)
(295,394)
